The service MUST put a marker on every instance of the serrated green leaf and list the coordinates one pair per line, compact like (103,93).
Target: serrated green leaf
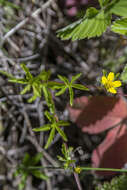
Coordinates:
(62,134)
(43,128)
(64,33)
(120,26)
(123,76)
(119,7)
(87,27)
(74,78)
(50,138)
(101,3)
(80,87)
(39,174)
(61,91)
(71,93)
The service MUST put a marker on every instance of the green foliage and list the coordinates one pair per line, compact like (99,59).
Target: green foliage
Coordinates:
(93,24)
(123,76)
(117,183)
(120,26)
(38,84)
(28,167)
(69,85)
(66,159)
(53,126)
(118,7)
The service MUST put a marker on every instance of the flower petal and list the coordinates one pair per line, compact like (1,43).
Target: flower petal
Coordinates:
(110,76)
(117,83)
(112,90)
(103,80)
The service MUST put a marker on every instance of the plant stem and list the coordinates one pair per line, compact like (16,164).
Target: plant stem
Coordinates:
(104,169)
(76,176)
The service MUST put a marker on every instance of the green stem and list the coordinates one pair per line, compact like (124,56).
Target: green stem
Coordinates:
(104,169)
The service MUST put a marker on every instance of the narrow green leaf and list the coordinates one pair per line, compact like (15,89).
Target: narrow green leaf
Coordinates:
(55,85)
(74,78)
(33,98)
(48,98)
(71,93)
(50,138)
(43,128)
(35,159)
(49,116)
(120,26)
(39,174)
(28,74)
(62,134)
(6,74)
(26,89)
(64,79)
(63,123)
(80,87)
(36,90)
(20,81)
(61,91)
(26,159)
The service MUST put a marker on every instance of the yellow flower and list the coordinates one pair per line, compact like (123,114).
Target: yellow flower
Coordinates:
(109,83)
(78,169)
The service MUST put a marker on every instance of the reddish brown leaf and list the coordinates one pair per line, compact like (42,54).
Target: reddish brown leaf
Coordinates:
(98,113)
(112,152)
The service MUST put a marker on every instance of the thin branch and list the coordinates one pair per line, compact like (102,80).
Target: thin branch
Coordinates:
(23,22)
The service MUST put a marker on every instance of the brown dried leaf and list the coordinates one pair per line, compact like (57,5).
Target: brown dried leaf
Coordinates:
(112,152)
(98,113)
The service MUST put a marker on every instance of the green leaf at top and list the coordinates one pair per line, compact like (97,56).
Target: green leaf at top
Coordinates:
(87,27)
(120,26)
(119,7)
